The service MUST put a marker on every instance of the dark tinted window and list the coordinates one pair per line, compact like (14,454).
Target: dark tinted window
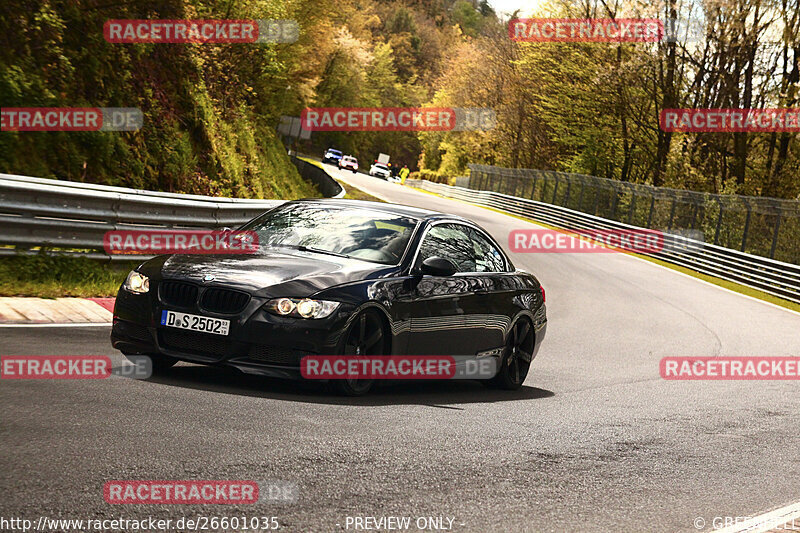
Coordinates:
(362,233)
(451,241)
(487,257)
(467,248)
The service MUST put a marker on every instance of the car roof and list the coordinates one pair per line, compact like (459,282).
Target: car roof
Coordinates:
(394,209)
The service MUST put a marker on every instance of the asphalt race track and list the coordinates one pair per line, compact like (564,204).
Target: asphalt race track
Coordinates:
(595,441)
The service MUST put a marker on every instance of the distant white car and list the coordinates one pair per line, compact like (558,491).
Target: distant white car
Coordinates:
(380,170)
(350,162)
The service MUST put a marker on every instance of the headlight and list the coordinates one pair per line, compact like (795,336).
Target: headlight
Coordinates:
(137,283)
(301,308)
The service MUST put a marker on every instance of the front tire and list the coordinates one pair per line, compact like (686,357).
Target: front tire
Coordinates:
(365,336)
(517,357)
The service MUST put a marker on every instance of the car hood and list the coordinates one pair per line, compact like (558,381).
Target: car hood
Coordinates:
(269,274)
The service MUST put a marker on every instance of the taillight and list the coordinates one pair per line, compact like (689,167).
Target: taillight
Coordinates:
(543,298)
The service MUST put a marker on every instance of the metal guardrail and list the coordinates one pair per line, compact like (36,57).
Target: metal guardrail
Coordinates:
(329,187)
(73,217)
(44,213)
(770,276)
(757,225)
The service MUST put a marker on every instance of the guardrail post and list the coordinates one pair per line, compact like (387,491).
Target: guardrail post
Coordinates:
(555,190)
(614,201)
(694,215)
(672,212)
(746,225)
(580,195)
(566,195)
(775,236)
(719,221)
(652,208)
(633,206)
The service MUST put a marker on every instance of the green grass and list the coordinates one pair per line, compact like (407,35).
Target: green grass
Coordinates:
(730,285)
(58,276)
(357,194)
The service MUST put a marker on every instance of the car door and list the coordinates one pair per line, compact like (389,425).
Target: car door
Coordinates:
(491,307)
(436,304)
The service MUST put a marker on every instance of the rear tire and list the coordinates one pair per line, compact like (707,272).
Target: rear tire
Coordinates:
(517,356)
(365,336)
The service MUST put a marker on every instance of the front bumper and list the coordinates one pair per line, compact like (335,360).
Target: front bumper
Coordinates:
(258,342)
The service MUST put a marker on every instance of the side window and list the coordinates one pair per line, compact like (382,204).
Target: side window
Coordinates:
(451,241)
(487,257)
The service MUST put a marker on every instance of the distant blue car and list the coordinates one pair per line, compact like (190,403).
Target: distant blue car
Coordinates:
(332,156)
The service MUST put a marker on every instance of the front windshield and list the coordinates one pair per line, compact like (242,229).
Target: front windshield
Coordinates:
(361,233)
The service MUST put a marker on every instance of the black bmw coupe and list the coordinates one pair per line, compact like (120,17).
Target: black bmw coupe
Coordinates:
(337,277)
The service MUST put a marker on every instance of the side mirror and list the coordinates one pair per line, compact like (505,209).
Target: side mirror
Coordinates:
(438,266)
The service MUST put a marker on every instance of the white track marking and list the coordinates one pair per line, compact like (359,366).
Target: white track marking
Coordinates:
(767,521)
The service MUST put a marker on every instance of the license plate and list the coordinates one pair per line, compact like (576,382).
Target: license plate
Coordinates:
(216,326)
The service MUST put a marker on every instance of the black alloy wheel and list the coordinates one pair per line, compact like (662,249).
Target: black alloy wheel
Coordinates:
(517,357)
(364,337)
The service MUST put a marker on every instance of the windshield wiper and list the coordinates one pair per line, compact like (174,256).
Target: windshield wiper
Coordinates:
(303,248)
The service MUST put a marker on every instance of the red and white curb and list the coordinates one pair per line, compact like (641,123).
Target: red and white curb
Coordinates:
(56,311)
